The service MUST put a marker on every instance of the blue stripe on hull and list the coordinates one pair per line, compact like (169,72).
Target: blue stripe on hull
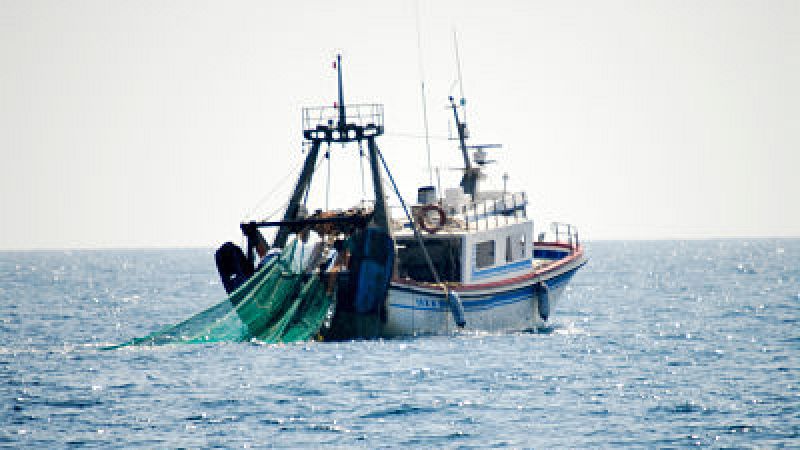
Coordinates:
(477,302)
(549,254)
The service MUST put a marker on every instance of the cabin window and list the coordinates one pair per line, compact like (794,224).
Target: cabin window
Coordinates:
(520,250)
(445,255)
(484,254)
(515,247)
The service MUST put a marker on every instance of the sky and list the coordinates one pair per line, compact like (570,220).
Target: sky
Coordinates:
(165,123)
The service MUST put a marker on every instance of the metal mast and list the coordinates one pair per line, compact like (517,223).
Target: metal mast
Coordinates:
(469,180)
(342,114)
(330,125)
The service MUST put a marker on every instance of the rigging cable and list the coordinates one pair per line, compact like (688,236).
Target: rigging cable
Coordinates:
(424,101)
(328,181)
(308,186)
(413,225)
(271,192)
(418,136)
(361,164)
(305,207)
(438,183)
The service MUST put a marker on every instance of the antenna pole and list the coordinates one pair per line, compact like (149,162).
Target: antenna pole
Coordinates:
(469,180)
(463,100)
(462,137)
(342,115)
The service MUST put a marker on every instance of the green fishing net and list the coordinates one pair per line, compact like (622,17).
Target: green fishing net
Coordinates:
(282,302)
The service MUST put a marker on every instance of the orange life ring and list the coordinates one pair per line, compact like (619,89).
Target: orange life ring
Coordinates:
(423,214)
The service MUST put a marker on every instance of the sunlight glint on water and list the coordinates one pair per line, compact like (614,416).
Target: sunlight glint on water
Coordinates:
(674,343)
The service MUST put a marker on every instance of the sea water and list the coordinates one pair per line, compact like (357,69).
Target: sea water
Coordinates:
(655,344)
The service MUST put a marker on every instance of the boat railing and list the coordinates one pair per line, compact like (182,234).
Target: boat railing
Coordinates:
(495,212)
(486,214)
(366,116)
(563,233)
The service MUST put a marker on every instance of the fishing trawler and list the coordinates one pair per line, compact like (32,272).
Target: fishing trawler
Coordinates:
(466,258)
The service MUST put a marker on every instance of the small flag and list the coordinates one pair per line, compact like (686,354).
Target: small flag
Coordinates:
(334,64)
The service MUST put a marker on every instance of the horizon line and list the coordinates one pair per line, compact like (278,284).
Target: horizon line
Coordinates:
(202,247)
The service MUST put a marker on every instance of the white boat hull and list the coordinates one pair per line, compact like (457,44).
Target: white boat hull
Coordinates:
(504,305)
